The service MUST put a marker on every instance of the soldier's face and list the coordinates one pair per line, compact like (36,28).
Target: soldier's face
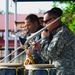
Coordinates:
(29,26)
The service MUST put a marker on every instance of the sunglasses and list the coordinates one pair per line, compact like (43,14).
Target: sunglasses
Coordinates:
(47,20)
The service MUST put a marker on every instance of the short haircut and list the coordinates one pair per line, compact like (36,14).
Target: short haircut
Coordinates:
(32,18)
(40,17)
(55,11)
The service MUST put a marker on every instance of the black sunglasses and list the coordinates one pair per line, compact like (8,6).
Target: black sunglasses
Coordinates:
(48,20)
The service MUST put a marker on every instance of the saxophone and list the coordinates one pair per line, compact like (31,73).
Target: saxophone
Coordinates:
(29,59)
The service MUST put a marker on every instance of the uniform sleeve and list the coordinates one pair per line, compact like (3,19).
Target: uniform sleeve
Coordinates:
(38,59)
(52,50)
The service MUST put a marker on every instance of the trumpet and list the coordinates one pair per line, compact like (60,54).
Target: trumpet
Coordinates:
(19,23)
(20,33)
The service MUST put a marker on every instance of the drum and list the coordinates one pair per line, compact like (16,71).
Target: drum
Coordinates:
(11,69)
(41,69)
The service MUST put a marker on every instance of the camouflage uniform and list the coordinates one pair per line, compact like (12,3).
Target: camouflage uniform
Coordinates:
(61,49)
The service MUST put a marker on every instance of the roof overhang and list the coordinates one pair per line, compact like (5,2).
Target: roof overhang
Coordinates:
(29,0)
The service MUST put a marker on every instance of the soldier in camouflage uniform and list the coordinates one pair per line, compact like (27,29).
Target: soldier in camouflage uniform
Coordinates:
(61,49)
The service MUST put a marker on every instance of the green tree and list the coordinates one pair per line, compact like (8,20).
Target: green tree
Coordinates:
(1,12)
(41,11)
(68,11)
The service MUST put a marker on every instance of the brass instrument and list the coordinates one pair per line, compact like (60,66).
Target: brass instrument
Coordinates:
(38,32)
(19,23)
(34,35)
(25,46)
(18,33)
(29,59)
(22,35)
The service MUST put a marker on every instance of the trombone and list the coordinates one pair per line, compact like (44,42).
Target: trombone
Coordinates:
(30,38)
